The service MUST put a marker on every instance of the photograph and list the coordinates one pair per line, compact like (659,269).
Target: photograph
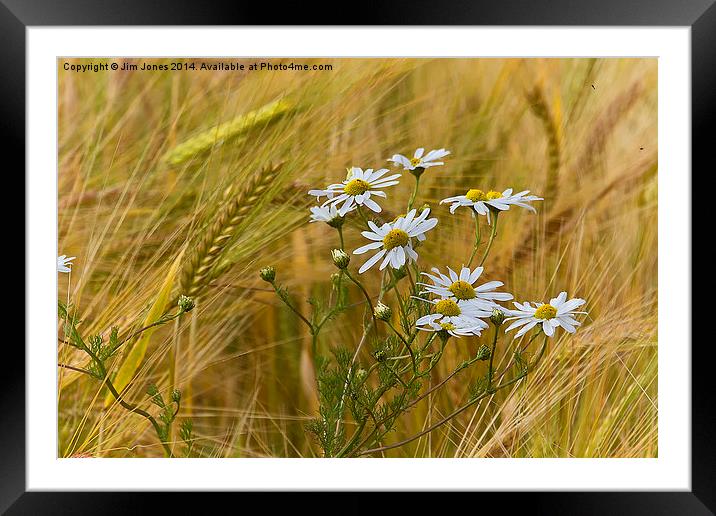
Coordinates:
(357,257)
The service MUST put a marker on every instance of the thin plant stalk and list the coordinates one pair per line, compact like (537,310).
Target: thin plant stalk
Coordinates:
(477,240)
(493,233)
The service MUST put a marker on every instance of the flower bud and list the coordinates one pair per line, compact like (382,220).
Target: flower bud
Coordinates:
(382,312)
(380,355)
(176,395)
(186,304)
(268,274)
(497,317)
(340,258)
(152,390)
(361,375)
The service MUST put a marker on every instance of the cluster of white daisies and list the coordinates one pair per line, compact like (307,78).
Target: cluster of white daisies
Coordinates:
(459,305)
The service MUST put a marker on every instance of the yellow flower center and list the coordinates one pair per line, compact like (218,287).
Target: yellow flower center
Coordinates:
(491,195)
(475,195)
(462,290)
(546,312)
(395,238)
(356,187)
(447,307)
(447,326)
(414,162)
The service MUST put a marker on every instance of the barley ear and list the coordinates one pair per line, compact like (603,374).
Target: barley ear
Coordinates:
(205,141)
(542,111)
(197,272)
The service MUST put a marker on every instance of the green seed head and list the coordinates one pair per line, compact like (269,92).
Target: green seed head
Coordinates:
(268,274)
(361,375)
(340,258)
(497,317)
(186,304)
(383,312)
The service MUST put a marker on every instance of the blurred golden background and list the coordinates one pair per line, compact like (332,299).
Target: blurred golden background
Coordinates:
(148,159)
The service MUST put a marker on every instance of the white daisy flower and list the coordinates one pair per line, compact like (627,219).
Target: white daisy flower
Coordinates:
(327,214)
(456,317)
(357,189)
(64,264)
(481,202)
(558,312)
(420,161)
(394,239)
(462,287)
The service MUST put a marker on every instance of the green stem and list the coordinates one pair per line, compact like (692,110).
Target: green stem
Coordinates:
(162,320)
(407,346)
(362,215)
(461,409)
(478,237)
(415,192)
(133,408)
(128,406)
(367,298)
(394,286)
(490,371)
(493,233)
(354,438)
(340,235)
(284,297)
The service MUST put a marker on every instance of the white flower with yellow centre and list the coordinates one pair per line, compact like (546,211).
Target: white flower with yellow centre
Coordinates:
(64,263)
(357,190)
(462,287)
(455,317)
(481,201)
(394,240)
(558,312)
(419,160)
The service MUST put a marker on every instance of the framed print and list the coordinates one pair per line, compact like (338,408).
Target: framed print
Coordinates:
(433,254)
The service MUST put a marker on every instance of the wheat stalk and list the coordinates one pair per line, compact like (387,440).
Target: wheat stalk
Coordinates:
(217,135)
(605,125)
(197,272)
(541,110)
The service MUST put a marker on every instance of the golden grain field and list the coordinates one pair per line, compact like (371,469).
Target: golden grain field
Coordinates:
(154,170)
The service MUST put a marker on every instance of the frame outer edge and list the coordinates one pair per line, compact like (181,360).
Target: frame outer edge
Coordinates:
(12,145)
(703,113)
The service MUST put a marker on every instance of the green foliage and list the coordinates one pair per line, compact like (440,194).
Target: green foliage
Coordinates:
(100,352)
(331,382)
(478,387)
(521,363)
(186,429)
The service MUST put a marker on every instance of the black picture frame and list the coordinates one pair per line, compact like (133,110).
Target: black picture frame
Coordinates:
(17,15)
